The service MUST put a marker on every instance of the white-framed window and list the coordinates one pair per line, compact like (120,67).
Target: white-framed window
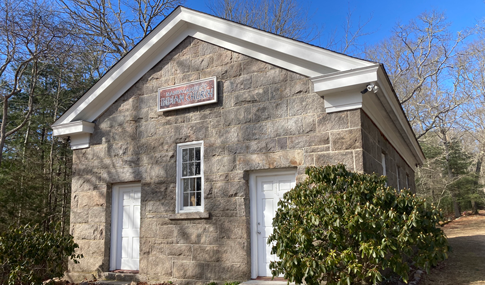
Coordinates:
(190,177)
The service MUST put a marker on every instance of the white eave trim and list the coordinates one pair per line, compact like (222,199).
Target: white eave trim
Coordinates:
(342,92)
(79,133)
(73,128)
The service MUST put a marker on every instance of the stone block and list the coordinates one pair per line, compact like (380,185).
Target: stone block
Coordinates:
(322,148)
(242,207)
(359,160)
(282,143)
(230,189)
(160,266)
(179,250)
(79,216)
(236,116)
(346,139)
(91,199)
(281,159)
(207,253)
(221,205)
(181,65)
(202,63)
(270,77)
(86,264)
(289,89)
(270,110)
(332,121)
(251,66)
(298,142)
(250,96)
(188,270)
(301,125)
(355,120)
(234,228)
(83,183)
(239,148)
(97,214)
(187,77)
(220,164)
(238,84)
(258,131)
(229,135)
(161,206)
(91,248)
(162,172)
(206,49)
(308,104)
(333,158)
(89,231)
(218,271)
(222,57)
(268,145)
(196,234)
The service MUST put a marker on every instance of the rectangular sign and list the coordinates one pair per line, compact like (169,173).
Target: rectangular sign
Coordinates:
(186,95)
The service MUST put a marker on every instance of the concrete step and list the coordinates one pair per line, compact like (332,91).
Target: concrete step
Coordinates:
(112,282)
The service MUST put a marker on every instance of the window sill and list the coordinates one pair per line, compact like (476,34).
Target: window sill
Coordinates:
(189,216)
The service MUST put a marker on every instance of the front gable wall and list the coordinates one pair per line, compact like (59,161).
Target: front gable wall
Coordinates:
(266,118)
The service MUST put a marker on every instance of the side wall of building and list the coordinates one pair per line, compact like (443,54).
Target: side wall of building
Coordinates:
(266,118)
(375,144)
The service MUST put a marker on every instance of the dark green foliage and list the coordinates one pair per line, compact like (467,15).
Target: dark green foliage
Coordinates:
(347,228)
(29,255)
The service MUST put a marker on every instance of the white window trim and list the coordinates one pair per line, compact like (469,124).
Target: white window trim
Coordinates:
(397,178)
(383,162)
(179,190)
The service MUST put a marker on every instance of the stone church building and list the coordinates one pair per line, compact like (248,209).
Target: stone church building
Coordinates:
(183,149)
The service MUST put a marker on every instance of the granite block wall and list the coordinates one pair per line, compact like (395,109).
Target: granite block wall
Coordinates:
(266,118)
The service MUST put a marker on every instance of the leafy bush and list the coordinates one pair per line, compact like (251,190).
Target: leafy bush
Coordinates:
(28,255)
(347,228)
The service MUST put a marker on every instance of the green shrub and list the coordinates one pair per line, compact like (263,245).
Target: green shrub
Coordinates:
(347,228)
(28,255)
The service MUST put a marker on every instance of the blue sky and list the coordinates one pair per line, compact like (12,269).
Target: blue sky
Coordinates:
(385,14)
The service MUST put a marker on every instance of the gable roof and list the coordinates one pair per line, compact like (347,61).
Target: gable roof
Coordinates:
(329,71)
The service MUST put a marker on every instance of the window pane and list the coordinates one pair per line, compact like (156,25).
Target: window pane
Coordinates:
(198,199)
(186,199)
(198,184)
(191,169)
(197,153)
(186,185)
(191,154)
(185,169)
(192,186)
(192,199)
(197,168)
(185,155)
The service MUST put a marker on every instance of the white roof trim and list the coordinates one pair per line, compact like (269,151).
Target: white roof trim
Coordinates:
(342,91)
(289,54)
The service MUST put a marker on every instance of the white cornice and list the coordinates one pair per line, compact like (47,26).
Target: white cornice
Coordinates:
(342,91)
(79,132)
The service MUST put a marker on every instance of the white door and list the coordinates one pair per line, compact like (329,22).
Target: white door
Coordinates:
(269,190)
(126,227)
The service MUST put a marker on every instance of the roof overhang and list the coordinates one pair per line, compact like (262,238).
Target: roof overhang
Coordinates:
(347,90)
(333,74)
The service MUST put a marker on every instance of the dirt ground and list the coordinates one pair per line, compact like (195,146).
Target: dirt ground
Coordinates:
(466,261)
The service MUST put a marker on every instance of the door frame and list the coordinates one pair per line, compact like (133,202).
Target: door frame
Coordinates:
(253,176)
(115,207)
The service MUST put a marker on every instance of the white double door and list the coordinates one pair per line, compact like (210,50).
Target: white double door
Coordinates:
(125,243)
(269,190)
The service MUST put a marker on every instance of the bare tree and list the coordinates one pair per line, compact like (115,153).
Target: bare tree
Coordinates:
(31,33)
(282,17)
(422,60)
(113,27)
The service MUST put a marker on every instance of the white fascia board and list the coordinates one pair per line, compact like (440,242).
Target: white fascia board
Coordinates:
(344,80)
(306,52)
(73,128)
(393,102)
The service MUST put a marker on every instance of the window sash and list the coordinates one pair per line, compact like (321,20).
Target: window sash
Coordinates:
(187,154)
